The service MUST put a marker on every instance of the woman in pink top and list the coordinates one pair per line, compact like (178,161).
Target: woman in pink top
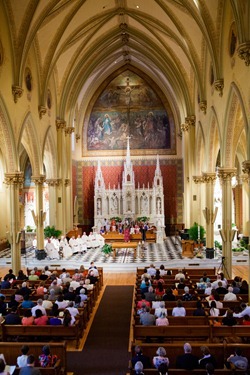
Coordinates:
(162,320)
(40,319)
(28,319)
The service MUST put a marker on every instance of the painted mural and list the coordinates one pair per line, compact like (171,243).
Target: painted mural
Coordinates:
(128,106)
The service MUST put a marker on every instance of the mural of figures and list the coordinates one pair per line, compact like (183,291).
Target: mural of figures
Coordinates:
(129,106)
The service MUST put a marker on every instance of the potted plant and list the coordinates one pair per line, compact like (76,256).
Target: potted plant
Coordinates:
(107,249)
(29,229)
(142,219)
(51,232)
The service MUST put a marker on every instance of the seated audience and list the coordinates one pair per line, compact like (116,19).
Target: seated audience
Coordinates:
(2,368)
(213,310)
(41,290)
(237,361)
(229,319)
(55,321)
(27,303)
(161,357)
(187,296)
(207,357)
(28,319)
(39,306)
(13,317)
(199,311)
(30,368)
(187,361)
(22,359)
(150,295)
(230,296)
(40,319)
(168,296)
(162,320)
(161,309)
(46,303)
(159,290)
(179,275)
(163,369)
(146,318)
(179,310)
(47,359)
(139,368)
(151,270)
(209,368)
(139,356)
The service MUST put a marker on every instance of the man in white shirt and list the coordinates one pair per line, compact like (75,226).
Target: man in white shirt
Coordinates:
(230,296)
(38,307)
(179,275)
(151,270)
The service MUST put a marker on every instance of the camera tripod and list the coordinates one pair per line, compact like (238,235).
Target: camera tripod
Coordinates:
(223,268)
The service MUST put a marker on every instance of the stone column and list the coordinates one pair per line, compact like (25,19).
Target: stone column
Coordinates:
(188,130)
(227,233)
(61,153)
(68,185)
(246,169)
(14,181)
(39,214)
(209,212)
(196,199)
(53,184)
(244,178)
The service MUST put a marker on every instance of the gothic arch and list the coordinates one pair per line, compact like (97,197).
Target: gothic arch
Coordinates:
(200,149)
(214,142)
(49,154)
(29,139)
(235,125)
(7,140)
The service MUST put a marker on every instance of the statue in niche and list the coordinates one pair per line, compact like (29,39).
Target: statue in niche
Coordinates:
(144,205)
(114,205)
(158,205)
(98,206)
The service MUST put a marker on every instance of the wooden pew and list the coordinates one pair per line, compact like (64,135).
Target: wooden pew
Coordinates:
(65,333)
(12,350)
(182,320)
(172,333)
(184,372)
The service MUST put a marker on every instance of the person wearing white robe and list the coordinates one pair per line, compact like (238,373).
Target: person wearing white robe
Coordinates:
(74,245)
(66,249)
(100,240)
(81,244)
(93,241)
(52,252)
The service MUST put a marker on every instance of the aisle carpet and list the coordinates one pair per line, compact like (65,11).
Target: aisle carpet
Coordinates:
(106,347)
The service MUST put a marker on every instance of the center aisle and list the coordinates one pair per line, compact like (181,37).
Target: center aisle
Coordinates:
(106,347)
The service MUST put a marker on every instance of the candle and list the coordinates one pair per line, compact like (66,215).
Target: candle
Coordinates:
(199,232)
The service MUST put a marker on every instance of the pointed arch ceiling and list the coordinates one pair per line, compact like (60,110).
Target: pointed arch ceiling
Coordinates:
(82,42)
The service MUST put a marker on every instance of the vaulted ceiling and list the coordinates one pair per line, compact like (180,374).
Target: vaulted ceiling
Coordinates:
(80,43)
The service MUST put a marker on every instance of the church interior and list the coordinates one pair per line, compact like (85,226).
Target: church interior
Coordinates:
(125,109)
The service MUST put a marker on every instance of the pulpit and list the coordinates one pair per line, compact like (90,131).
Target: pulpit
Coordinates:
(187,248)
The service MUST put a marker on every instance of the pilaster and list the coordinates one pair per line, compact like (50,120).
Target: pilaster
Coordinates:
(53,184)
(14,182)
(209,212)
(227,233)
(39,215)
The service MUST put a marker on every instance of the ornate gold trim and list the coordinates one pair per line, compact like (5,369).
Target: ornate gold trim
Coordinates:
(246,167)
(209,177)
(42,111)
(60,124)
(219,86)
(69,130)
(78,137)
(244,52)
(190,120)
(14,178)
(66,182)
(38,180)
(203,106)
(53,181)
(198,179)
(226,173)
(17,92)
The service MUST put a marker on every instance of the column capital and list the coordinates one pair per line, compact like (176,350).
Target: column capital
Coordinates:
(69,130)
(53,181)
(15,178)
(17,92)
(203,106)
(244,52)
(246,167)
(209,177)
(198,179)
(66,182)
(60,124)
(243,178)
(78,137)
(42,111)
(38,180)
(226,173)
(219,86)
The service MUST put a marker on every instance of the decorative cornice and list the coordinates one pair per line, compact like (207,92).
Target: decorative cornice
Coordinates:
(243,178)
(14,178)
(17,92)
(198,179)
(69,130)
(226,173)
(244,52)
(38,180)
(53,181)
(78,137)
(42,111)
(184,127)
(219,86)
(60,124)
(66,182)
(203,106)
(209,177)
(246,167)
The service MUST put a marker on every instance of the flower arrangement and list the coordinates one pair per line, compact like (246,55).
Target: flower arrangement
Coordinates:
(117,219)
(142,219)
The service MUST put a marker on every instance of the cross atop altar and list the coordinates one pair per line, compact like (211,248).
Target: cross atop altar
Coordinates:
(128,201)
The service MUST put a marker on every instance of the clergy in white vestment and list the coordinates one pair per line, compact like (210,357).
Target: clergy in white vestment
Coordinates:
(100,239)
(92,240)
(52,252)
(65,248)
(74,245)
(81,244)
(55,242)
(34,243)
